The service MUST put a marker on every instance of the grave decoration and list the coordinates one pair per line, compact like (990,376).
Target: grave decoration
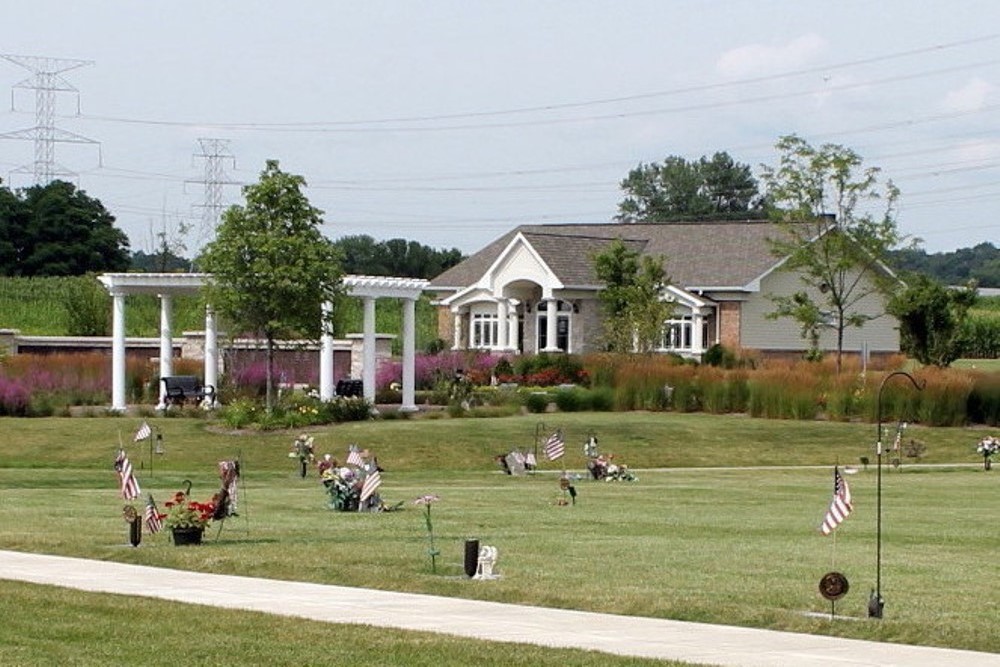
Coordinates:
(302,449)
(568,496)
(988,447)
(228,496)
(354,487)
(603,466)
(432,551)
(187,519)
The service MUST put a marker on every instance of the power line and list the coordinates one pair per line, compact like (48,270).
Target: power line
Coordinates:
(319,126)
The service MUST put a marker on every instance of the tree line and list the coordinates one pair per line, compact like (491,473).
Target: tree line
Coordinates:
(59,230)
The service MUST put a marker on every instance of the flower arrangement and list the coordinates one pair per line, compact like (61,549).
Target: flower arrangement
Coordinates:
(344,487)
(182,512)
(986,448)
(302,449)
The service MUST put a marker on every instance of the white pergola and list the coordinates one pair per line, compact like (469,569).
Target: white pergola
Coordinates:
(166,285)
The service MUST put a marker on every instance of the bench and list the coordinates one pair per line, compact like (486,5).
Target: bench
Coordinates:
(350,388)
(177,389)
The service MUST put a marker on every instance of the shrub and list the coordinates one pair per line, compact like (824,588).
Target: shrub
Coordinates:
(602,399)
(536,401)
(572,400)
(14,397)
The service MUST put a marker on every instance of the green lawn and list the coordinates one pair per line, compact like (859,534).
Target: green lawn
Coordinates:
(709,535)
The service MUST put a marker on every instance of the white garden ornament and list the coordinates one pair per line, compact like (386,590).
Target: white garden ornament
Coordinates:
(487,561)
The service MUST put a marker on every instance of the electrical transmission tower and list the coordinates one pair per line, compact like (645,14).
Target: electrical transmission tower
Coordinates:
(46,82)
(216,153)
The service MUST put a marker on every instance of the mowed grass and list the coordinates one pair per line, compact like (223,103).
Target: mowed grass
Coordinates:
(694,539)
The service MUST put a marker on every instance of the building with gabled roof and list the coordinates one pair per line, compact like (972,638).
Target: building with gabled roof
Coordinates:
(535,289)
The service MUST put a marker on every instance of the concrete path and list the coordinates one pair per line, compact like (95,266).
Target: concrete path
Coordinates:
(624,635)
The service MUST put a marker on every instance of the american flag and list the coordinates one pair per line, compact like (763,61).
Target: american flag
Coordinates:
(129,484)
(143,432)
(152,516)
(554,446)
(370,486)
(354,457)
(840,507)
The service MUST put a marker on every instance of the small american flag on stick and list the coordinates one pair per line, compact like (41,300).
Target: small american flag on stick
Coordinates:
(370,486)
(354,457)
(129,484)
(840,507)
(143,432)
(554,446)
(152,516)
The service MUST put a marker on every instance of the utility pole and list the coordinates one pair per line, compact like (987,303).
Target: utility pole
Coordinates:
(46,81)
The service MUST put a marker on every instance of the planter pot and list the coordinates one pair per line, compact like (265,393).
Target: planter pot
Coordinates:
(183,536)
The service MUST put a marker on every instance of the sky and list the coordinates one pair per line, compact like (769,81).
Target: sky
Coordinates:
(449,122)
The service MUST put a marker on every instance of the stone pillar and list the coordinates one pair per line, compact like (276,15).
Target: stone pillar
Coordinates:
(409,354)
(368,370)
(118,352)
(211,354)
(326,356)
(457,324)
(166,344)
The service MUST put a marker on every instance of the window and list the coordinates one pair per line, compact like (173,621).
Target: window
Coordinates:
(484,330)
(677,333)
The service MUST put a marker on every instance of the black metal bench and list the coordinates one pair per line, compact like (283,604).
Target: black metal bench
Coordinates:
(177,389)
(348,388)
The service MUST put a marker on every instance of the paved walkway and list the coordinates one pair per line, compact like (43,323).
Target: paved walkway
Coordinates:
(624,635)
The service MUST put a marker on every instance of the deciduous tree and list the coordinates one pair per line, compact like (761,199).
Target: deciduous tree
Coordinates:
(930,319)
(839,225)
(57,230)
(272,268)
(631,297)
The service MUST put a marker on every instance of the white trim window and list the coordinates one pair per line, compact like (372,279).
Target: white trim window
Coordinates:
(678,334)
(484,330)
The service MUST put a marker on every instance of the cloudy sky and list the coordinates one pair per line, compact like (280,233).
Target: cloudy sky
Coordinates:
(448,122)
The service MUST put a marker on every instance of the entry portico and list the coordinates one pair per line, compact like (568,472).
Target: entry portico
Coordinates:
(166,285)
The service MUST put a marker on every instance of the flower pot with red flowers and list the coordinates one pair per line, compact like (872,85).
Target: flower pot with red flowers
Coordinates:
(186,518)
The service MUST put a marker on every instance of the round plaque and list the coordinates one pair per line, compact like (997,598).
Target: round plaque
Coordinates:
(129,514)
(833,586)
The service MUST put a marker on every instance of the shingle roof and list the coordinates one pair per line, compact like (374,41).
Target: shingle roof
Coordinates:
(698,254)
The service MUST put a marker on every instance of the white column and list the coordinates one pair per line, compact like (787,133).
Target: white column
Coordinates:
(501,342)
(409,356)
(326,356)
(697,325)
(551,315)
(457,324)
(512,328)
(118,352)
(211,354)
(166,344)
(368,356)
